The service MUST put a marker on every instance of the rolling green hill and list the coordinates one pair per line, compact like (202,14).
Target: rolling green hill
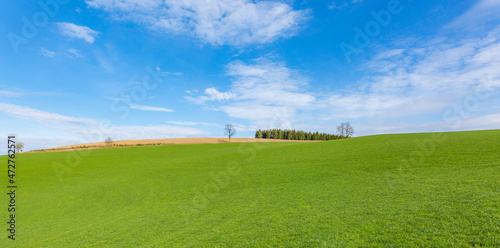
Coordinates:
(407,190)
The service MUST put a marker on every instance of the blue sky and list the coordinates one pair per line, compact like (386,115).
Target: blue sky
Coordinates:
(81,71)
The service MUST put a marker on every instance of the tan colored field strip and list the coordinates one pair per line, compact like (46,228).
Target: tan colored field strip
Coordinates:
(153,142)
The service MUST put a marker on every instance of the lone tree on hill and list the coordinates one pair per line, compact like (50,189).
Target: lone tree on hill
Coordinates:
(230,131)
(20,146)
(345,130)
(108,142)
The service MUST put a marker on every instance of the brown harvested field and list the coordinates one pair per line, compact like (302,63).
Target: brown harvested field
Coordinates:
(154,142)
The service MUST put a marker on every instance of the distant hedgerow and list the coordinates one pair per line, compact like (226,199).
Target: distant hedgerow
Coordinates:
(294,135)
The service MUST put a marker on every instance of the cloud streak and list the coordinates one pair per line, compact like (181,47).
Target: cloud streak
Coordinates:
(483,12)
(43,117)
(77,32)
(21,93)
(8,93)
(73,54)
(150,108)
(217,22)
(47,53)
(192,123)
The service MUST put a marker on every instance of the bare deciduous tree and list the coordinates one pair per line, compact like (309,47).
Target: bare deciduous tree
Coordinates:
(341,129)
(349,132)
(108,142)
(345,129)
(230,131)
(20,146)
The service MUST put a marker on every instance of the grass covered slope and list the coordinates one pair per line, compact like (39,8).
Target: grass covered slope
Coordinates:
(404,190)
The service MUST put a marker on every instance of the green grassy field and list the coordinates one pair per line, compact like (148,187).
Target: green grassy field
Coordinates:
(408,190)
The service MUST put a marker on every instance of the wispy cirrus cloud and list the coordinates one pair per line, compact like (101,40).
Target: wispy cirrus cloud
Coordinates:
(217,22)
(431,75)
(12,92)
(73,53)
(43,117)
(8,93)
(483,12)
(47,53)
(192,123)
(337,4)
(77,32)
(422,79)
(149,108)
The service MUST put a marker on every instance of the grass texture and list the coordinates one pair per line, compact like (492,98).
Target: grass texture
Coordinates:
(404,190)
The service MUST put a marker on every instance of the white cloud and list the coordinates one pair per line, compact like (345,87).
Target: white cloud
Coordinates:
(31,114)
(104,62)
(336,5)
(265,92)
(264,116)
(389,54)
(8,93)
(19,93)
(484,11)
(47,53)
(73,54)
(149,108)
(342,4)
(269,83)
(211,94)
(491,121)
(192,123)
(218,22)
(125,5)
(77,32)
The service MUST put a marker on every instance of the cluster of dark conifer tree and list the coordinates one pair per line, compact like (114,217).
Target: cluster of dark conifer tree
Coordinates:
(294,135)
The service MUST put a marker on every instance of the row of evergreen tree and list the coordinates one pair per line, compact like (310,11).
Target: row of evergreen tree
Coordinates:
(294,135)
